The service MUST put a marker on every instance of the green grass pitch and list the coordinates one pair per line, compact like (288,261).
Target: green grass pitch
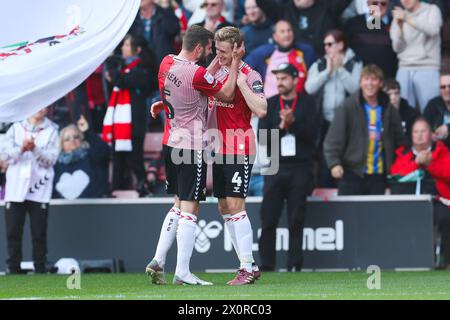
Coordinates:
(271,286)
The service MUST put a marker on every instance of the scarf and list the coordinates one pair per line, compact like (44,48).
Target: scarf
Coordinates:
(117,125)
(74,156)
(296,58)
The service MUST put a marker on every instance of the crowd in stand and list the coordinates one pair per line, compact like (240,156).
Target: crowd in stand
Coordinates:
(329,42)
(377,72)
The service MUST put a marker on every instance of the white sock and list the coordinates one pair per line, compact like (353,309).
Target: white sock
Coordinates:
(242,227)
(167,235)
(231,231)
(185,242)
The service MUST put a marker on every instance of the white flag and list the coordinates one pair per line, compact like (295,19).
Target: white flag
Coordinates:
(49,47)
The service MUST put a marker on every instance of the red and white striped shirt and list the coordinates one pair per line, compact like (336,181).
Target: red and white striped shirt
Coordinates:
(235,117)
(184,87)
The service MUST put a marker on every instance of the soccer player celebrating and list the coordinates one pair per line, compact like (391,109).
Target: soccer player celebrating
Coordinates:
(234,159)
(184,87)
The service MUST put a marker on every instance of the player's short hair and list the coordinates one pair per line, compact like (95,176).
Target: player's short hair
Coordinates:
(391,84)
(372,70)
(231,35)
(196,35)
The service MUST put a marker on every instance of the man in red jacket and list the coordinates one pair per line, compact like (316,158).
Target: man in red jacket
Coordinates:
(434,159)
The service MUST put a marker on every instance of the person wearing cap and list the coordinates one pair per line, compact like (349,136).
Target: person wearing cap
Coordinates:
(366,130)
(296,116)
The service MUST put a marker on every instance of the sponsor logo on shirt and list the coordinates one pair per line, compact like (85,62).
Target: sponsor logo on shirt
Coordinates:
(215,102)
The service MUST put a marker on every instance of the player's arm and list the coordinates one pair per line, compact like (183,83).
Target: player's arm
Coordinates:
(254,95)
(227,92)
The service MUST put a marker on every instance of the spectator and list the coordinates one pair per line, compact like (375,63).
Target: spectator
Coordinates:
(182,18)
(355,8)
(373,45)
(268,57)
(407,114)
(126,117)
(259,29)
(310,19)
(296,116)
(441,4)
(429,159)
(214,19)
(31,151)
(156,176)
(88,100)
(437,111)
(360,144)
(332,78)
(96,99)
(415,35)
(159,26)
(82,167)
(199,13)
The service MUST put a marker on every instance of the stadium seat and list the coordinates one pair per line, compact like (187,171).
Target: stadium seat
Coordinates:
(324,193)
(153,145)
(125,194)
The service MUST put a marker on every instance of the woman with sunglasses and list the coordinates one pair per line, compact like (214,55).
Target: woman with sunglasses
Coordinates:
(81,170)
(331,79)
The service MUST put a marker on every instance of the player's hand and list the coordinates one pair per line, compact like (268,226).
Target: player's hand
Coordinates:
(337,172)
(83,124)
(156,109)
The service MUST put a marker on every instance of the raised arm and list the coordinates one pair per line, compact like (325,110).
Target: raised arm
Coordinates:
(253,92)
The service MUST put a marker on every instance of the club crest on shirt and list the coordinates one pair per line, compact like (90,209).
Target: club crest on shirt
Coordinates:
(258,87)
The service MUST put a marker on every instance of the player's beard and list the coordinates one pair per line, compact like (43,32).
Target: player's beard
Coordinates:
(202,59)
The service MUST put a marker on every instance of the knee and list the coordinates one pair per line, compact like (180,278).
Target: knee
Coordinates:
(223,208)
